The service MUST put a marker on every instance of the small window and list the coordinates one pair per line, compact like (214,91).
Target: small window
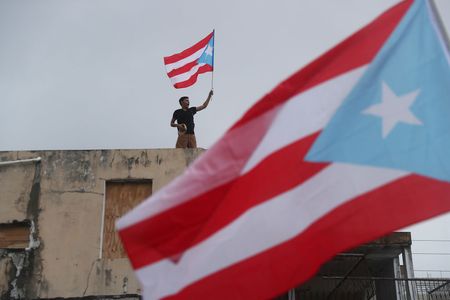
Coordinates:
(120,197)
(15,235)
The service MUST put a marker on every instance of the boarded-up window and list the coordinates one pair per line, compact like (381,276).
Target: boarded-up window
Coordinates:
(15,235)
(120,197)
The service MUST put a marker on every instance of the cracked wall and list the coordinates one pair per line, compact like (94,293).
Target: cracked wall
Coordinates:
(19,197)
(63,197)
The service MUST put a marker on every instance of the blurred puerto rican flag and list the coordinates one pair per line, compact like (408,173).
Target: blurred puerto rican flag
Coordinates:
(349,148)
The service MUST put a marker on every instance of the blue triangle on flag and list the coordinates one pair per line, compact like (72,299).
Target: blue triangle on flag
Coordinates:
(398,115)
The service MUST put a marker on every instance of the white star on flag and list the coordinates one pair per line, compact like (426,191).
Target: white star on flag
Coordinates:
(394,109)
(208,50)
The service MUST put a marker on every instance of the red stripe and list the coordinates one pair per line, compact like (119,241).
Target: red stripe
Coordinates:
(189,51)
(268,274)
(183,69)
(355,51)
(173,231)
(193,78)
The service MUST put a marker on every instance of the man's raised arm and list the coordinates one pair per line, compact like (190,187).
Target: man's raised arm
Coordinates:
(205,104)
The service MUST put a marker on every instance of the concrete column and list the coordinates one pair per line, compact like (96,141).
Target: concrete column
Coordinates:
(411,291)
(397,274)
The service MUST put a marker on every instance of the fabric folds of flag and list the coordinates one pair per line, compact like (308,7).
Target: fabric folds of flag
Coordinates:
(349,148)
(183,68)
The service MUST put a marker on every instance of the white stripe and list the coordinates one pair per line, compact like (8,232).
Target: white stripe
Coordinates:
(205,174)
(264,226)
(186,60)
(305,114)
(185,76)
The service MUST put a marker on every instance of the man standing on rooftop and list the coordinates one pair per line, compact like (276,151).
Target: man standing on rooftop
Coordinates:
(184,118)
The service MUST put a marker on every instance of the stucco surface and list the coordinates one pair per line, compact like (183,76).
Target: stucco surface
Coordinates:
(64,200)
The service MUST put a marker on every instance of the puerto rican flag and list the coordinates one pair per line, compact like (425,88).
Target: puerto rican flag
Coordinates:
(183,68)
(351,147)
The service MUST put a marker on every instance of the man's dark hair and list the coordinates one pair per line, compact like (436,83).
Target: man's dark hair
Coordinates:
(182,98)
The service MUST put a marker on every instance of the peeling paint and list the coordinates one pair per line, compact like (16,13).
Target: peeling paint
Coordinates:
(34,241)
(68,185)
(78,166)
(21,268)
(31,273)
(20,261)
(125,285)
(16,293)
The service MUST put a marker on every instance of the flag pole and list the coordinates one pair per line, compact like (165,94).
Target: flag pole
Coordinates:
(212,73)
(440,25)
(212,80)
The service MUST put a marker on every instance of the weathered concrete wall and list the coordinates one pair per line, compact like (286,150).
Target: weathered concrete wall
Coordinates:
(63,197)
(19,200)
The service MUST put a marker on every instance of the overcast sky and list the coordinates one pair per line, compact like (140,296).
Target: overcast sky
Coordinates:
(89,74)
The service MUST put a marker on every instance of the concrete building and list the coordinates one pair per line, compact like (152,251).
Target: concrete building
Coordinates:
(366,272)
(58,208)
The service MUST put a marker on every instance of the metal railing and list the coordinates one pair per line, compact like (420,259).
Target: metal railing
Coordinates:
(374,288)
